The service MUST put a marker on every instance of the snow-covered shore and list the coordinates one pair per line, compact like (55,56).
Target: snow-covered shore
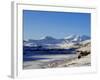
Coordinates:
(52,61)
(84,61)
(73,62)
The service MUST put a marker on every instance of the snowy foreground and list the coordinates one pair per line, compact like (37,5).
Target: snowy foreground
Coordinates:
(70,61)
(84,61)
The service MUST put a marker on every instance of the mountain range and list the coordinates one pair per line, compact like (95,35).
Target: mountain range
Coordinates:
(50,42)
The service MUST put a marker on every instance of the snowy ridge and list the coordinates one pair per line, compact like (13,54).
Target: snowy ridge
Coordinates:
(50,42)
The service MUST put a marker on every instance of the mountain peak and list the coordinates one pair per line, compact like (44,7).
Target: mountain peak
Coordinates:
(77,37)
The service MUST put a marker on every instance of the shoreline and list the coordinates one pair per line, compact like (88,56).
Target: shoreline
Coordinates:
(58,63)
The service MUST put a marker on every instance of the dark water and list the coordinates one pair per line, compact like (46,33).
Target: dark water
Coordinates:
(30,52)
(32,59)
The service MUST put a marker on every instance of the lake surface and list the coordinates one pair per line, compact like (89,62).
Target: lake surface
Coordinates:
(32,54)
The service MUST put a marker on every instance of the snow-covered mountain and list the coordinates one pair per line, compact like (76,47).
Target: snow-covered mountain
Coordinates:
(77,38)
(50,42)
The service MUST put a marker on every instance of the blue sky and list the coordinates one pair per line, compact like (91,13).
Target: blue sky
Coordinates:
(37,24)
